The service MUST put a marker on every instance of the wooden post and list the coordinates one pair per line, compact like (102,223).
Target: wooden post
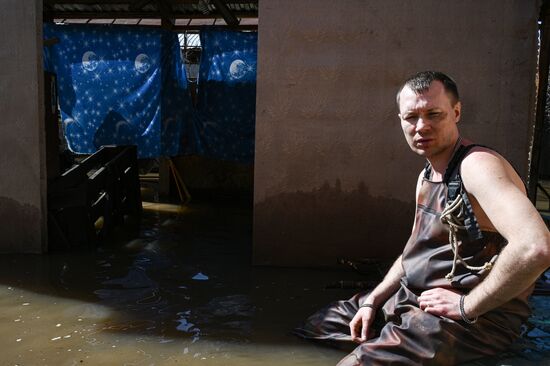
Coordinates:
(542,92)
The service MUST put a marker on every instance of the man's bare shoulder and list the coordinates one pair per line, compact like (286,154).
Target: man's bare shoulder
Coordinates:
(499,199)
(483,168)
(482,155)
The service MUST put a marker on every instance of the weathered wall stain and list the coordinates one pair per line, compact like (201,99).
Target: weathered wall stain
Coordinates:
(22,143)
(317,227)
(20,232)
(326,110)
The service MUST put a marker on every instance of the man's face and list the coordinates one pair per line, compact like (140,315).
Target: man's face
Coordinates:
(429,120)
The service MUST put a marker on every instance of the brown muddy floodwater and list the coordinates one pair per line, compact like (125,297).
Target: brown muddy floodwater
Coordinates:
(183,293)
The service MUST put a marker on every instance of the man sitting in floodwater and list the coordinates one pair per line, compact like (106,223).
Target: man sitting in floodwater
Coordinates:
(459,290)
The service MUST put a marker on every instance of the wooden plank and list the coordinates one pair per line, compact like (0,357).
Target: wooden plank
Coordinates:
(183,28)
(544,63)
(167,21)
(130,3)
(226,13)
(139,15)
(138,5)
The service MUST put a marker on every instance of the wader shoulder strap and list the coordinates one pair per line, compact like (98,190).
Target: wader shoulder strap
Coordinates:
(453,180)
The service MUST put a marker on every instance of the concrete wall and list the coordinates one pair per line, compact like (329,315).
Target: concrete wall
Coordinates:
(22,153)
(333,174)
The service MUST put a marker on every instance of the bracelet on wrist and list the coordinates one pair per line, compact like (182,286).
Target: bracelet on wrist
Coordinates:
(367,305)
(463,313)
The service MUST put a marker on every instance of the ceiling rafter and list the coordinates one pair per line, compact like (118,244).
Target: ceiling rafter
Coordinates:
(233,13)
(130,2)
(167,19)
(138,5)
(226,13)
(138,15)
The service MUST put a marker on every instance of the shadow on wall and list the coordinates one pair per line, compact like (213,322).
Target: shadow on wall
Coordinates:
(201,172)
(15,217)
(318,227)
(214,180)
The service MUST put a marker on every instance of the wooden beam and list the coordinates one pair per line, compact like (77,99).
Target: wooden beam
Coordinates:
(138,15)
(91,2)
(542,91)
(181,28)
(226,13)
(139,4)
(130,2)
(167,21)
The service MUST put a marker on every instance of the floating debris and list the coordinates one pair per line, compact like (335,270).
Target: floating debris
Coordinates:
(168,222)
(184,325)
(537,333)
(200,277)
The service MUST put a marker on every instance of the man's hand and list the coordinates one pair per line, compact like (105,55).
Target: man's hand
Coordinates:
(360,324)
(441,302)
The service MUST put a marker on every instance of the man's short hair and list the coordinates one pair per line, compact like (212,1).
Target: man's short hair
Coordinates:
(420,83)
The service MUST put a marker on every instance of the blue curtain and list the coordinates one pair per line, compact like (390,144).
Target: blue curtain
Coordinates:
(119,85)
(127,85)
(227,94)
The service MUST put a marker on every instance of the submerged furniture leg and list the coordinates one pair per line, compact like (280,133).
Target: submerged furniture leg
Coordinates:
(183,193)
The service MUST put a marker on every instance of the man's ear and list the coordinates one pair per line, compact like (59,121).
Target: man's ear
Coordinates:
(458,111)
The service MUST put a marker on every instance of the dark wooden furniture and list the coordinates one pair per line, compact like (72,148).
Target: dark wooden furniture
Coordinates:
(88,200)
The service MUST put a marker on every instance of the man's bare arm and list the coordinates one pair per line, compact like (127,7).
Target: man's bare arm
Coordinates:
(488,178)
(360,324)
(388,286)
(499,192)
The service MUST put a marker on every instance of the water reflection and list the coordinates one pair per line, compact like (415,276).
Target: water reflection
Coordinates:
(140,302)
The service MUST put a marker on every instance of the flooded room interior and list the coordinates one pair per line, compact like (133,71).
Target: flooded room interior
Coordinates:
(187,181)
